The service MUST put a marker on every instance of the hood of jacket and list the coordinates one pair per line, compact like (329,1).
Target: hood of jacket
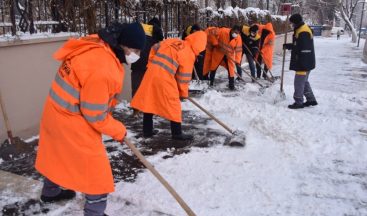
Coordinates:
(197,41)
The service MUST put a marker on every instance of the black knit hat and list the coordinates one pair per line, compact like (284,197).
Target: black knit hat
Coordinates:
(154,21)
(254,28)
(236,28)
(195,28)
(296,19)
(132,36)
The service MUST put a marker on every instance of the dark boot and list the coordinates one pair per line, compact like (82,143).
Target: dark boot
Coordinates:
(310,103)
(63,195)
(147,125)
(231,83)
(295,106)
(177,132)
(211,78)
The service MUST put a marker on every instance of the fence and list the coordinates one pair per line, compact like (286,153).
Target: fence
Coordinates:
(87,16)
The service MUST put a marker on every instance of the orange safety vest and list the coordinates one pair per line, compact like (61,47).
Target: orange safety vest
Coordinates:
(168,75)
(231,48)
(77,113)
(268,47)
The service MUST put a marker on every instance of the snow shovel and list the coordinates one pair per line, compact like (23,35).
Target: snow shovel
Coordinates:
(160,178)
(197,87)
(20,146)
(269,78)
(281,95)
(262,87)
(6,120)
(238,137)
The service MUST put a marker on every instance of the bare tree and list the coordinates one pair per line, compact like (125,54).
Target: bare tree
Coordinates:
(346,9)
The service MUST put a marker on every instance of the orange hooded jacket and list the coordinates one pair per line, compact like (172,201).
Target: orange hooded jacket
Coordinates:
(268,47)
(231,48)
(77,111)
(168,76)
(212,38)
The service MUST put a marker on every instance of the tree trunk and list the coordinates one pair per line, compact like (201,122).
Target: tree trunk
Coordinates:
(349,24)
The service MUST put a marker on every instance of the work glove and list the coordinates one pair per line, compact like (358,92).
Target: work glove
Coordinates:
(183,99)
(288,46)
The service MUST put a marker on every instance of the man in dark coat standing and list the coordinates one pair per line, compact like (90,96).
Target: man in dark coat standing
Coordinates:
(302,61)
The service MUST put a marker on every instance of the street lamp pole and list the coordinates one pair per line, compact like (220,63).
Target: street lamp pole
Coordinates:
(360,25)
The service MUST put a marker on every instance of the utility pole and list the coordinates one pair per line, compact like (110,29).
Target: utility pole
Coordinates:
(360,25)
(267,4)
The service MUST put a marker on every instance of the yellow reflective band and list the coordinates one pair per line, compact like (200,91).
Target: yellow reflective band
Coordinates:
(148,29)
(302,73)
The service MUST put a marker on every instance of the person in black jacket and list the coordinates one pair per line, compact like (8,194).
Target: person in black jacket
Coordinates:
(302,61)
(153,34)
(250,47)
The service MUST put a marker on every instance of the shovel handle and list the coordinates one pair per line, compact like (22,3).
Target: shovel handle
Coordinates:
(253,78)
(210,115)
(284,52)
(160,178)
(6,120)
(196,74)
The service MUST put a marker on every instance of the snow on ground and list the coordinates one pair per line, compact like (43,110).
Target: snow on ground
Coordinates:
(297,162)
(304,162)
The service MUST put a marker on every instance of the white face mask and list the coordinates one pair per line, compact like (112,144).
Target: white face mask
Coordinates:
(234,35)
(132,58)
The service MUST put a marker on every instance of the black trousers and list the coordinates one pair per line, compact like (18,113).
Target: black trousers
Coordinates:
(148,125)
(136,78)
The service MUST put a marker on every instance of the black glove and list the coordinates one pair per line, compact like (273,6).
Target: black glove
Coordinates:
(288,46)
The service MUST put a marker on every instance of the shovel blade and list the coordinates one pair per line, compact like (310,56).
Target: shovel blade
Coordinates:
(280,97)
(238,139)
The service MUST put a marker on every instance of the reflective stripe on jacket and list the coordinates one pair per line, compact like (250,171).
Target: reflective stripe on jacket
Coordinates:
(303,51)
(77,113)
(232,48)
(168,76)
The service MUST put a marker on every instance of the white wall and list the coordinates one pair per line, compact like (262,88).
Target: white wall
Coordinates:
(26,72)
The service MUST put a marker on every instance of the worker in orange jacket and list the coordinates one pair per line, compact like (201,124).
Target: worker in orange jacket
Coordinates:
(267,40)
(199,62)
(77,112)
(212,38)
(227,53)
(166,81)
